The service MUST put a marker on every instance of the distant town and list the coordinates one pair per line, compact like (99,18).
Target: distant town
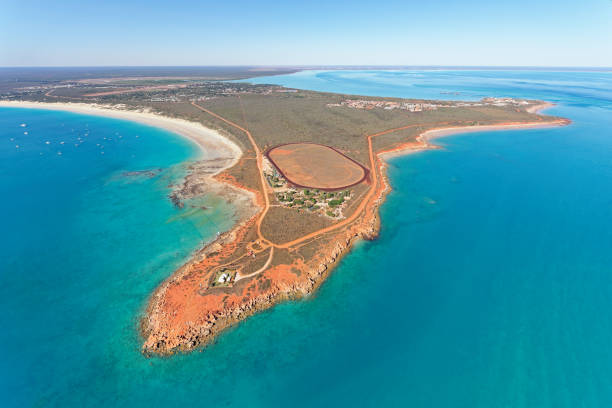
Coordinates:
(424,106)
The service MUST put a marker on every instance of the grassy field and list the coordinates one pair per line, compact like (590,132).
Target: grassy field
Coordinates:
(16,78)
(284,224)
(276,116)
(303,116)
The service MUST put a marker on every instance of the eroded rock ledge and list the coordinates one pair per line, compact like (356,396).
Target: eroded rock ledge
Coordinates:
(187,312)
(180,318)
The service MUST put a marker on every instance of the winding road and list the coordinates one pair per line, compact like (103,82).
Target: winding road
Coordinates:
(259,157)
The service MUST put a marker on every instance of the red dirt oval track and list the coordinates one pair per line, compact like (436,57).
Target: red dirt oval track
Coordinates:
(311,165)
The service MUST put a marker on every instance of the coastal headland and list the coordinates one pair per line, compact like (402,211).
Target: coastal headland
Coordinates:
(288,237)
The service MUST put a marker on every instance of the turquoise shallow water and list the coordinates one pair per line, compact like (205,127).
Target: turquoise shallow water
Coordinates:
(490,285)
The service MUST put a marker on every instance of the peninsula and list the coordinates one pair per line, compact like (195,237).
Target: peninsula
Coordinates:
(306,168)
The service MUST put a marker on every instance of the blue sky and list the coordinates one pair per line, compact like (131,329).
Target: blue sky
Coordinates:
(470,32)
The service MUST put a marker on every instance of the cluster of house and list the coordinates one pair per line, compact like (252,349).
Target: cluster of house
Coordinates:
(212,91)
(419,107)
(45,87)
(504,101)
(367,104)
(224,278)
(324,203)
(165,99)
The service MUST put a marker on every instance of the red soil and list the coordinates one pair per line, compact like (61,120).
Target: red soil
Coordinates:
(182,316)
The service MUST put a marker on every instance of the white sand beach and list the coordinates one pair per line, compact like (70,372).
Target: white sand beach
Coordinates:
(211,142)
(426,137)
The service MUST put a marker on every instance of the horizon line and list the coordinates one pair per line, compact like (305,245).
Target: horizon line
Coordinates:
(313,66)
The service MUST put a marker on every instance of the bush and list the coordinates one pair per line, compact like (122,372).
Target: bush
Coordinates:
(336,202)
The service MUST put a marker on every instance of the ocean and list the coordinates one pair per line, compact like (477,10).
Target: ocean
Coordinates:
(490,284)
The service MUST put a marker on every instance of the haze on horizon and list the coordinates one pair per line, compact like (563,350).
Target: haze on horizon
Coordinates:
(468,33)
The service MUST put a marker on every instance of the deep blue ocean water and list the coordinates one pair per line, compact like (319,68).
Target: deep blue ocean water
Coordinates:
(490,284)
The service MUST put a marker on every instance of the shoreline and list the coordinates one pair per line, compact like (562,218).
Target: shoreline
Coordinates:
(201,319)
(424,138)
(211,143)
(161,339)
(216,153)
